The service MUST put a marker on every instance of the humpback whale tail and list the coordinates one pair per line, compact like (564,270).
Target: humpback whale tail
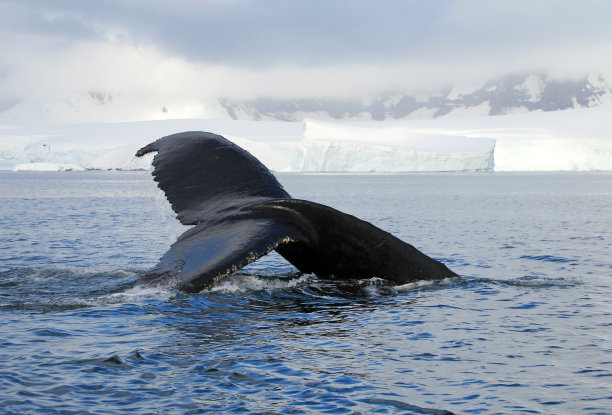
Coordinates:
(240,212)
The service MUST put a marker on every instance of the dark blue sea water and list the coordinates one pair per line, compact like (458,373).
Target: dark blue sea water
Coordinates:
(526,329)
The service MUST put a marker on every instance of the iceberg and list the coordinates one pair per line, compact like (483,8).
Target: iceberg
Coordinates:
(47,167)
(338,157)
(112,146)
(572,140)
(333,147)
(550,154)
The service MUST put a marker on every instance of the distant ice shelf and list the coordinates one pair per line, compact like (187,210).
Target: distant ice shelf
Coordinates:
(572,140)
(338,157)
(43,166)
(554,154)
(390,147)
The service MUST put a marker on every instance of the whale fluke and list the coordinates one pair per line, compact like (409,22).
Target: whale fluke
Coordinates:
(240,212)
(203,174)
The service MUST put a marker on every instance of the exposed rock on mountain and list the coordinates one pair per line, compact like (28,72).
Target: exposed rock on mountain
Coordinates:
(509,94)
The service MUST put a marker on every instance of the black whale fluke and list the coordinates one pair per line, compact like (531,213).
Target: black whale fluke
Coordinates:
(240,212)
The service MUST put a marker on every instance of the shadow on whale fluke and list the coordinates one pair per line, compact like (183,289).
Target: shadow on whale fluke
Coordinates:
(240,212)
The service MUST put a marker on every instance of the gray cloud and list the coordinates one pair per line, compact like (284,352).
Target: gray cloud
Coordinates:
(405,42)
(242,32)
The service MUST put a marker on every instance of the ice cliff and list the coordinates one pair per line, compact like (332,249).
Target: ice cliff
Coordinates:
(537,141)
(390,147)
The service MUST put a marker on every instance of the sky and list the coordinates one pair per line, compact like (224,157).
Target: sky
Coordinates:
(244,49)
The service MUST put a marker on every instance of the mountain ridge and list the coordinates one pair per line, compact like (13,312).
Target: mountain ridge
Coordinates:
(509,94)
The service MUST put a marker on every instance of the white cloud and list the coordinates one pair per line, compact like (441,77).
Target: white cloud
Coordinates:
(291,49)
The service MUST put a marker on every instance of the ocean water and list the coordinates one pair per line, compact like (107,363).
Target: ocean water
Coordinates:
(527,328)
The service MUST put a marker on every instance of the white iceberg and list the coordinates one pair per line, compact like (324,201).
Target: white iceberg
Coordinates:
(553,154)
(47,167)
(537,141)
(334,147)
(112,146)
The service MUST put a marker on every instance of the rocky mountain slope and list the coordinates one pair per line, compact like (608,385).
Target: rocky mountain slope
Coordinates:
(510,94)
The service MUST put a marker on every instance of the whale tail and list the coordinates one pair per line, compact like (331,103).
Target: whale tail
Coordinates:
(240,212)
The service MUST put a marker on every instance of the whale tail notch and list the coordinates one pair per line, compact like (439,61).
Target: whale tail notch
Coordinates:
(240,212)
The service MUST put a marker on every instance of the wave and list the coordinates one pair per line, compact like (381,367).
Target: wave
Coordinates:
(531,281)
(40,289)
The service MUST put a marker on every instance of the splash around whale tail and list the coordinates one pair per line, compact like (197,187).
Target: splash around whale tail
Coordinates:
(240,212)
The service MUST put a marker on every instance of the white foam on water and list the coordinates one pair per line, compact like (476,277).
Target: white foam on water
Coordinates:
(241,282)
(139,293)
(424,284)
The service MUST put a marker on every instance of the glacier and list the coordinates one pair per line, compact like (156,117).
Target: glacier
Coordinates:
(571,140)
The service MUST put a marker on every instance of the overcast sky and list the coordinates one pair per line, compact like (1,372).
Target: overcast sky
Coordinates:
(291,48)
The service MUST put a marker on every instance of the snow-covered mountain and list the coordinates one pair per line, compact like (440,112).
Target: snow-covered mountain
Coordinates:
(104,107)
(510,94)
